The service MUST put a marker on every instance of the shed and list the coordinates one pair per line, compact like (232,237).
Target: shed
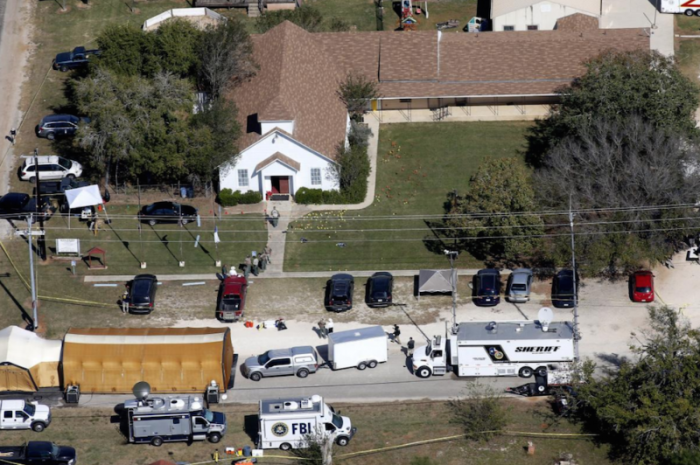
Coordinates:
(436,281)
(171,360)
(28,362)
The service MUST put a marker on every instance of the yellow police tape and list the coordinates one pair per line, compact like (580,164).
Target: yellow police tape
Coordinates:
(49,298)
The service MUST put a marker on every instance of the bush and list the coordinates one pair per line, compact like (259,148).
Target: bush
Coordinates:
(228,198)
(306,196)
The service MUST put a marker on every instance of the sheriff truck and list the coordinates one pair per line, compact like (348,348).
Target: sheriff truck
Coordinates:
(506,348)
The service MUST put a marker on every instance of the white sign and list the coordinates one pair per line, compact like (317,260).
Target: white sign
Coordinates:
(68,246)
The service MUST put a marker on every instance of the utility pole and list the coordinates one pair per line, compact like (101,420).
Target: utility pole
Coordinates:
(452,255)
(41,244)
(573,263)
(35,323)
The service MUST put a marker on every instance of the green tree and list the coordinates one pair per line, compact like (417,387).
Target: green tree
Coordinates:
(616,86)
(488,221)
(687,457)
(357,91)
(648,408)
(338,25)
(177,48)
(306,16)
(125,49)
(351,170)
(315,448)
(479,412)
(227,56)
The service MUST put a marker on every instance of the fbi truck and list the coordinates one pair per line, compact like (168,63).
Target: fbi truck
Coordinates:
(507,348)
(285,423)
(156,420)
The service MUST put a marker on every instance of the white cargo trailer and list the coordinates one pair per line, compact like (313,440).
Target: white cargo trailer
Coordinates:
(511,348)
(361,348)
(687,7)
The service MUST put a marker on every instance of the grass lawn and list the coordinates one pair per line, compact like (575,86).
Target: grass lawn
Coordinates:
(688,59)
(418,164)
(98,441)
(687,25)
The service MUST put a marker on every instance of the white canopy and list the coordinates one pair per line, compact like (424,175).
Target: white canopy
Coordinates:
(436,281)
(25,349)
(84,197)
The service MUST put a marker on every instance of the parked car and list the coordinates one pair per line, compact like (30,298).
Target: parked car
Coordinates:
(142,293)
(231,298)
(563,289)
(487,288)
(299,361)
(53,126)
(59,187)
(339,292)
(39,453)
(18,414)
(17,206)
(379,289)
(167,212)
(49,167)
(519,284)
(643,286)
(78,58)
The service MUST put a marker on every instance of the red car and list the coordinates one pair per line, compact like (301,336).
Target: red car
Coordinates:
(231,299)
(643,286)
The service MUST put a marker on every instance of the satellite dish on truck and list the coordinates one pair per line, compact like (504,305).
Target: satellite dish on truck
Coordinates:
(141,391)
(545,317)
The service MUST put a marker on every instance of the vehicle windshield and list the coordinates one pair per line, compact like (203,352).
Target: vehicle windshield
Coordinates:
(209,415)
(29,409)
(232,300)
(518,287)
(54,450)
(337,421)
(65,163)
(643,289)
(263,359)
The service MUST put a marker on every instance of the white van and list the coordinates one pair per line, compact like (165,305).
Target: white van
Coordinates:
(285,423)
(18,414)
(49,167)
(687,7)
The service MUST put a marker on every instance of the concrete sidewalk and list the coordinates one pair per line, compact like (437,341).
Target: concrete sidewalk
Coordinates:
(272,275)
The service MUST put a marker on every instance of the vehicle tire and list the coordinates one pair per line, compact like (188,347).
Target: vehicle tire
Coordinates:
(525,372)
(697,12)
(372,364)
(303,373)
(152,222)
(342,441)
(51,136)
(361,366)
(255,376)
(541,371)
(689,12)
(32,180)
(157,441)
(285,446)
(185,221)
(38,427)
(64,69)
(214,438)
(71,176)
(423,372)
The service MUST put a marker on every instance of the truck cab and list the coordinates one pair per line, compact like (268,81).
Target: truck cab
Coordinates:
(38,452)
(431,359)
(18,414)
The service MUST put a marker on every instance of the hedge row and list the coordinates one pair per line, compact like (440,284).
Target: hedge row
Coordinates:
(228,198)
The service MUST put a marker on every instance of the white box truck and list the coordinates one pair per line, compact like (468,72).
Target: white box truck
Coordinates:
(510,348)
(687,7)
(361,348)
(285,423)
(18,414)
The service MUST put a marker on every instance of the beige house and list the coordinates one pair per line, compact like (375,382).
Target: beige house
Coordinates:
(533,15)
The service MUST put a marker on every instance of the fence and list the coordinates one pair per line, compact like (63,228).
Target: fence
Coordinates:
(180,12)
(167,190)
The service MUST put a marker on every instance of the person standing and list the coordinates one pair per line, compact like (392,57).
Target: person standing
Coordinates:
(410,346)
(322,328)
(256,263)
(233,271)
(263,261)
(268,254)
(275,217)
(125,300)
(329,325)
(215,456)
(246,268)
(397,333)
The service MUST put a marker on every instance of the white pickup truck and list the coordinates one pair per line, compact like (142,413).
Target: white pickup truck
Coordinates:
(18,414)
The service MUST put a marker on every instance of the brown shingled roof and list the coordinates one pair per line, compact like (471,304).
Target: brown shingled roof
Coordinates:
(278,157)
(577,22)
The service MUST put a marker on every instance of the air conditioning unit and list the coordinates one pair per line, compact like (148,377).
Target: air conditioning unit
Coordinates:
(72,394)
(213,394)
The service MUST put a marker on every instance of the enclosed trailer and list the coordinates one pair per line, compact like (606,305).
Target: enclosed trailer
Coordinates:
(361,348)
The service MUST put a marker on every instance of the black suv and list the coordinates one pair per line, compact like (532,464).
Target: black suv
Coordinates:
(142,293)
(78,58)
(53,126)
(339,292)
(16,206)
(563,289)
(379,289)
(167,212)
(487,288)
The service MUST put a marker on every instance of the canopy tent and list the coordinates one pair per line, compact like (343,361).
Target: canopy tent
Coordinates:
(171,360)
(436,281)
(28,362)
(81,197)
